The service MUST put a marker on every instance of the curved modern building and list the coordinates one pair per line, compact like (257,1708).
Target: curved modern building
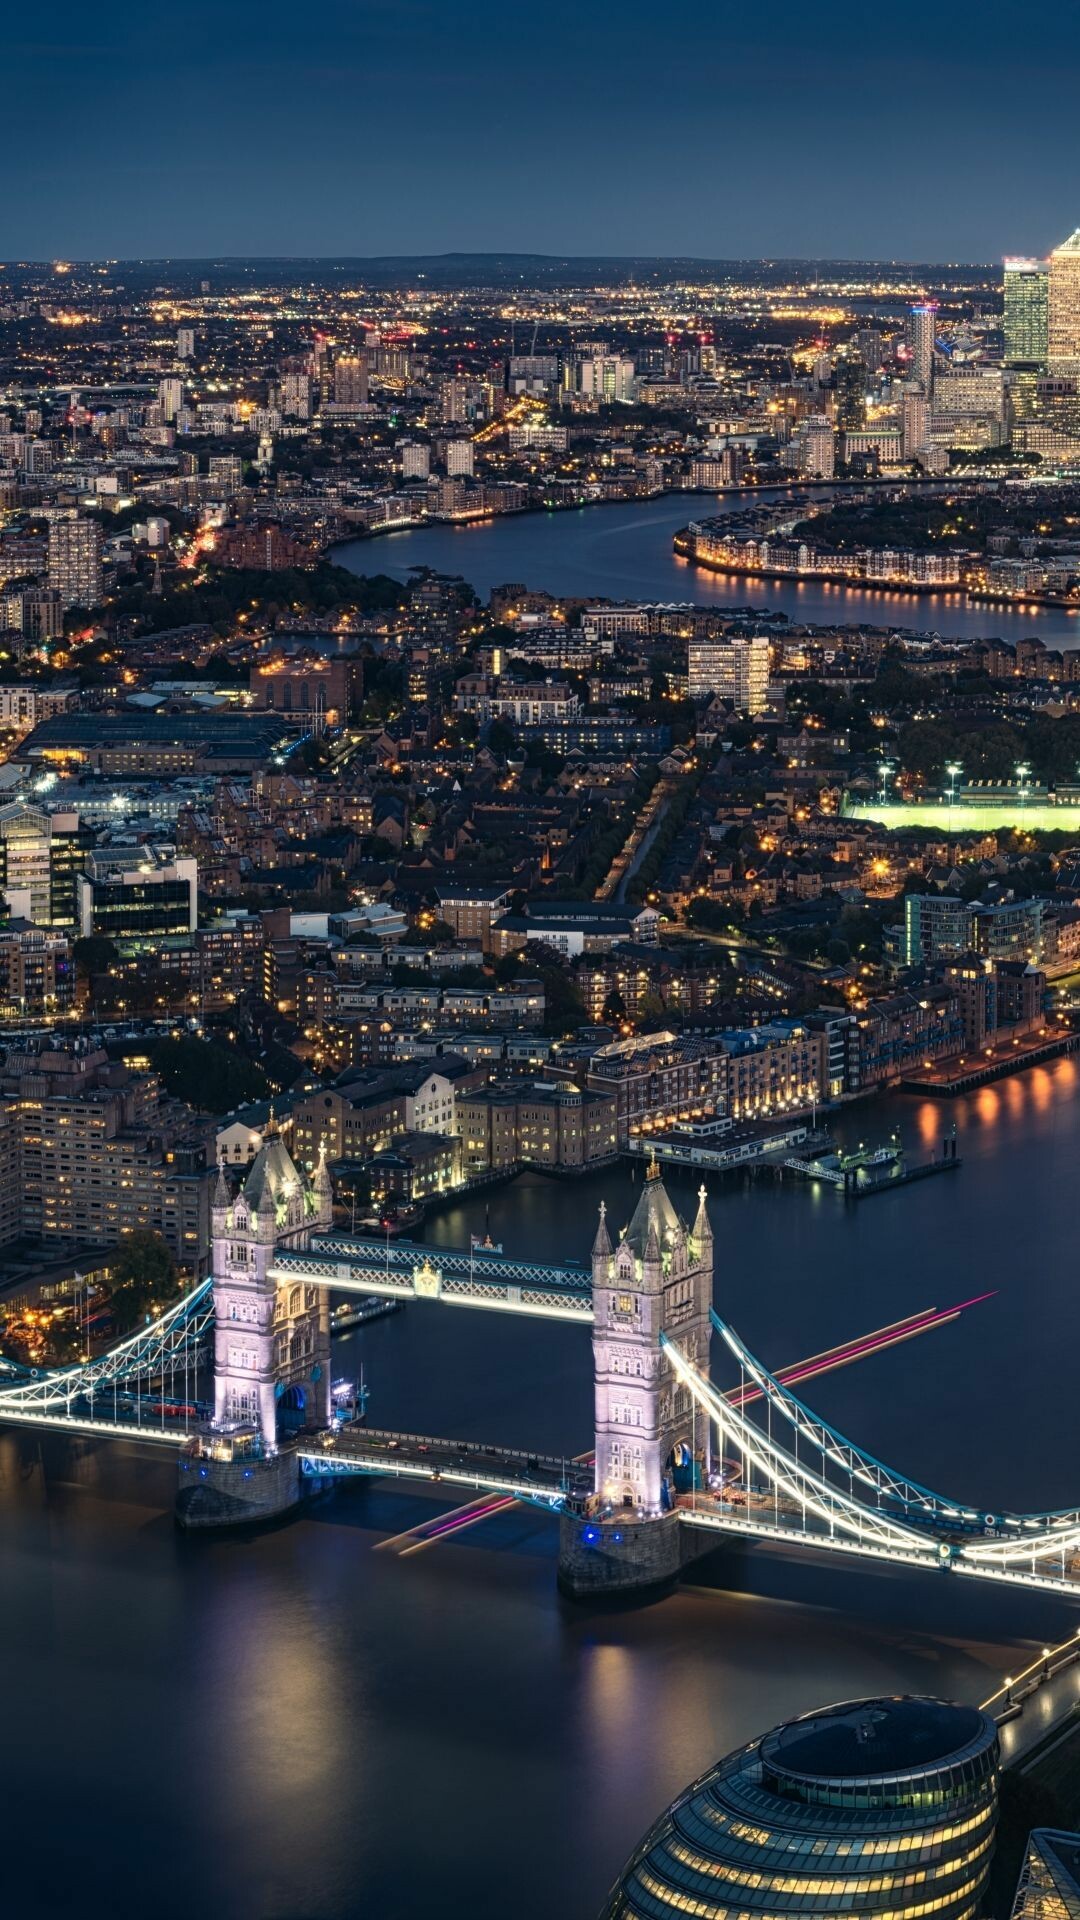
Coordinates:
(879,1808)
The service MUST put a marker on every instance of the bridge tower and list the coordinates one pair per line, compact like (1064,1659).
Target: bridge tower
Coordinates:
(657,1280)
(271,1344)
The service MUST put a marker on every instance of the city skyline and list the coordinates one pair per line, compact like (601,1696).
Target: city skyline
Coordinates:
(406,129)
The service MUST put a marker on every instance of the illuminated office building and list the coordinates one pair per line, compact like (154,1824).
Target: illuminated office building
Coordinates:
(1063,324)
(886,1808)
(921,327)
(1027,309)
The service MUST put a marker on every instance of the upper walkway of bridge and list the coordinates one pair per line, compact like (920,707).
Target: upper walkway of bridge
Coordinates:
(409,1270)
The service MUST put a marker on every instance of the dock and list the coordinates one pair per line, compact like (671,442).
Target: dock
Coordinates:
(719,1145)
(875,1170)
(949,1083)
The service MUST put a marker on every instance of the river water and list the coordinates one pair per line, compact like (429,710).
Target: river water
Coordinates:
(624,552)
(306,1726)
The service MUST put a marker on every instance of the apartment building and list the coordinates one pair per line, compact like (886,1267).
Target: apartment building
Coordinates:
(92,1151)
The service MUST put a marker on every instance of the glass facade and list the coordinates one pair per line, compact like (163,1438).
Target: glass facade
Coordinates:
(1049,1883)
(1027,313)
(1063,325)
(882,1808)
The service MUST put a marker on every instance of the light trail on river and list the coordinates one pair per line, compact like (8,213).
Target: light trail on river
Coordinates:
(428,1533)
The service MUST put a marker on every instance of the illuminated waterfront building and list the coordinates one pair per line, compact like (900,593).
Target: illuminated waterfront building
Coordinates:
(937,924)
(1063,324)
(1027,309)
(459,456)
(882,1807)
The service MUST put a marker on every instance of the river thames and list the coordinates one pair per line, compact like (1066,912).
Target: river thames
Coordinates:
(305,1725)
(624,552)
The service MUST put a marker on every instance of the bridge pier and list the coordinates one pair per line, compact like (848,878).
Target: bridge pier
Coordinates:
(602,1558)
(241,1492)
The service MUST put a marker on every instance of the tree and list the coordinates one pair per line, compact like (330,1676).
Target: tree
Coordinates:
(143,1275)
(614,1008)
(712,916)
(94,954)
(501,738)
(208,1074)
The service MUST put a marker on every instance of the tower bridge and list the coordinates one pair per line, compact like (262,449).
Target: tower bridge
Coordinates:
(678,1462)
(405,1270)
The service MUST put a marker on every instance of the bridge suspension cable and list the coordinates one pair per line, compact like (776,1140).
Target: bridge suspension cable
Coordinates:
(812,1495)
(161,1351)
(836,1448)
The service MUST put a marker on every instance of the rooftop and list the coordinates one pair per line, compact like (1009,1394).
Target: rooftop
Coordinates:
(863,1738)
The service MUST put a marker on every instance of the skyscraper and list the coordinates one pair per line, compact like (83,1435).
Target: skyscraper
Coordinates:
(820,447)
(915,420)
(1063,327)
(736,670)
(851,379)
(296,395)
(869,344)
(351,380)
(1027,285)
(185,343)
(921,326)
(75,548)
(170,397)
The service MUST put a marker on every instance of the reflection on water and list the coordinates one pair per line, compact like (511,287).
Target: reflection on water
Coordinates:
(296,1724)
(625,552)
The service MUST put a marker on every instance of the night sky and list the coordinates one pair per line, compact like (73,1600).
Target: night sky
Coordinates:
(405,126)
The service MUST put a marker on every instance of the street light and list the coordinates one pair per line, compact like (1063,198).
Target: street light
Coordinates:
(887,767)
(1022,771)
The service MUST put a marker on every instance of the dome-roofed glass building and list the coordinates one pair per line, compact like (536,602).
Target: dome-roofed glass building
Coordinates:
(883,1808)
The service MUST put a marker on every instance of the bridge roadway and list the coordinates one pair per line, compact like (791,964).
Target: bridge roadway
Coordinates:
(408,1270)
(546,1480)
(761,1517)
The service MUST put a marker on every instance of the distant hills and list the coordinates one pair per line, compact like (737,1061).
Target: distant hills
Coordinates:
(446,271)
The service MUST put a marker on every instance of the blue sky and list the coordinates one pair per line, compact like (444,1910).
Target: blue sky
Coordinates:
(403,126)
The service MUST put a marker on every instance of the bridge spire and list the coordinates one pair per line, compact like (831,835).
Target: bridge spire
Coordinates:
(222,1190)
(702,1224)
(601,1246)
(320,1183)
